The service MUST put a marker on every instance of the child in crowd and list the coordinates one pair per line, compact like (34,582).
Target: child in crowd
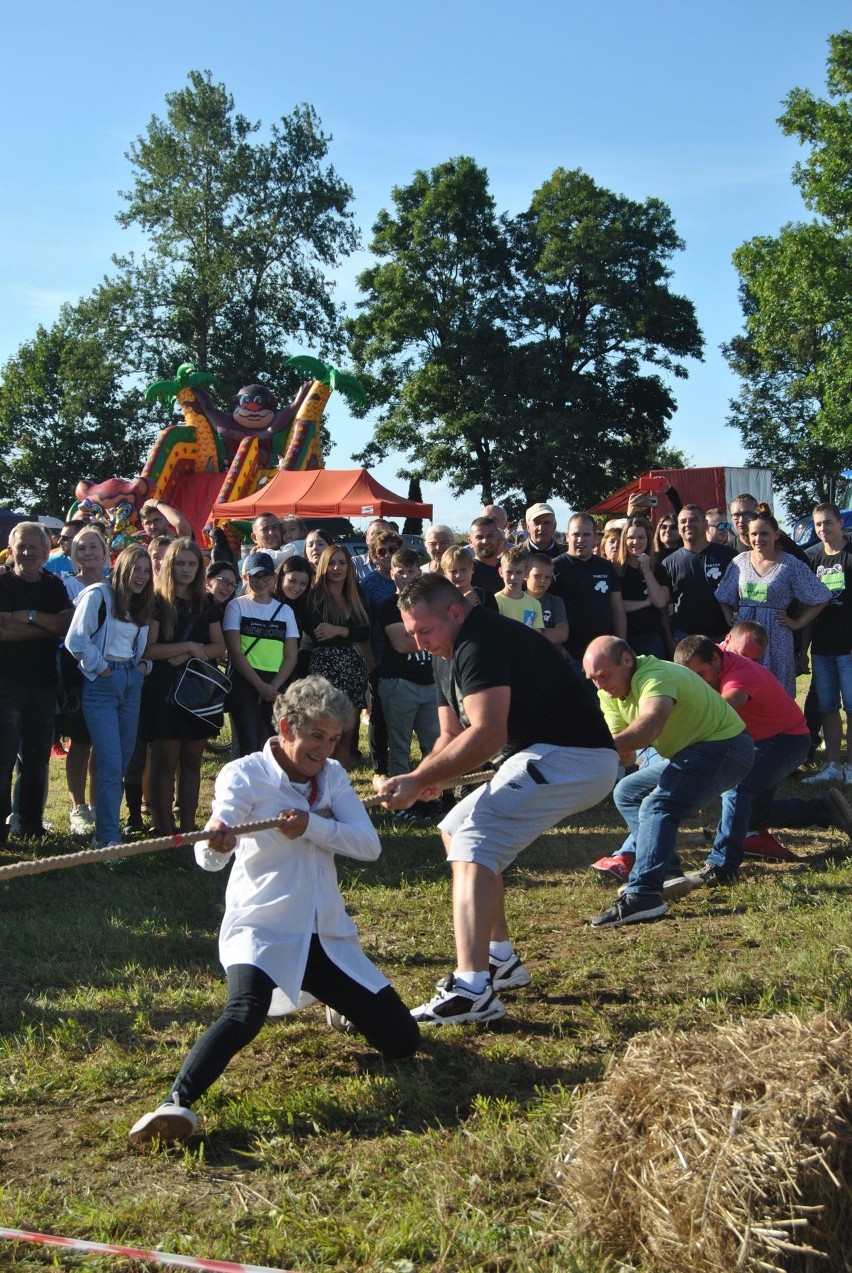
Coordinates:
(513,601)
(553,610)
(457,566)
(406,683)
(262,637)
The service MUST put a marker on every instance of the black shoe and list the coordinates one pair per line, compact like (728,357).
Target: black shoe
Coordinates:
(710,876)
(631,908)
(841,810)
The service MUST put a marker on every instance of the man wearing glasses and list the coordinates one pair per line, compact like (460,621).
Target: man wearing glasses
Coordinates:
(60,563)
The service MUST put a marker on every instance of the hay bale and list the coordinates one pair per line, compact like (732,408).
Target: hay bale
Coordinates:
(721,1151)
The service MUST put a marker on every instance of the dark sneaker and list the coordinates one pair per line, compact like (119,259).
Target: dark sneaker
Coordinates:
(710,876)
(619,866)
(841,810)
(170,1121)
(631,908)
(674,886)
(454,1005)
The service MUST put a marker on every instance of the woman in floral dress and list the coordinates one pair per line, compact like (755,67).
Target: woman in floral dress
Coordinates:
(760,585)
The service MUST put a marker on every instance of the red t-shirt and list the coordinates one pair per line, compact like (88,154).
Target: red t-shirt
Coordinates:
(769,710)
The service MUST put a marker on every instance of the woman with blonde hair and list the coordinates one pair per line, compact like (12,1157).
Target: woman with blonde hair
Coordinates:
(185,625)
(107,637)
(644,589)
(336,634)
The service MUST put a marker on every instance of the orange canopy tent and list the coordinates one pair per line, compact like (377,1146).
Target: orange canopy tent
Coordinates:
(322,493)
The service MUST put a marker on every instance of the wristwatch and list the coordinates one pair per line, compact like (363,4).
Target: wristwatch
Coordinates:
(31,614)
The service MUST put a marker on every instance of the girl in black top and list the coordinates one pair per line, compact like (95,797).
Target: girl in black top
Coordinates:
(644,589)
(336,632)
(185,625)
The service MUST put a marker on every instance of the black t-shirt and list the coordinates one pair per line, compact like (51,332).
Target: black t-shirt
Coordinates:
(31,662)
(486,578)
(586,587)
(634,588)
(832,631)
(415,667)
(694,578)
(549,702)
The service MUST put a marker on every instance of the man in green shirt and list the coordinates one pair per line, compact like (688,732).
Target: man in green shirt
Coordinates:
(702,749)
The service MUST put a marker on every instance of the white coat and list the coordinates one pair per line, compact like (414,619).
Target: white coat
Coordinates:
(282,891)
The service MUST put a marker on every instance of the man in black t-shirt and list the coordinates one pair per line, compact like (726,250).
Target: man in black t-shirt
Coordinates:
(34,617)
(501,690)
(831,641)
(590,586)
(486,542)
(695,572)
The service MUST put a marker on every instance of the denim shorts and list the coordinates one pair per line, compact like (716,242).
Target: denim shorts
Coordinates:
(832,677)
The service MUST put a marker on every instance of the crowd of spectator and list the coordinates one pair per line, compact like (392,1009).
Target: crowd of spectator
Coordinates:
(622,595)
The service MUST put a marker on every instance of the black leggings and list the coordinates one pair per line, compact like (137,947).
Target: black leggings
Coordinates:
(381,1017)
(251,715)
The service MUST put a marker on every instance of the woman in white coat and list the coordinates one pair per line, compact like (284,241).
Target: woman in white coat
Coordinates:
(285,921)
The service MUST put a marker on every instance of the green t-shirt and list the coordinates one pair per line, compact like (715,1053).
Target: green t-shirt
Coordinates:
(525,609)
(700,714)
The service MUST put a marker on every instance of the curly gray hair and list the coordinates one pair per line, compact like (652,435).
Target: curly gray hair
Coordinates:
(312,698)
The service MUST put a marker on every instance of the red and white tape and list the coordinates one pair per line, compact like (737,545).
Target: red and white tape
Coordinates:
(137,1253)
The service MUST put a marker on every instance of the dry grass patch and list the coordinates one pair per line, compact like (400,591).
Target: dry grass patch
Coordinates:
(718,1151)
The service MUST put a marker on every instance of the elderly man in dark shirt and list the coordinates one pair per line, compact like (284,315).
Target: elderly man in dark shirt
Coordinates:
(34,617)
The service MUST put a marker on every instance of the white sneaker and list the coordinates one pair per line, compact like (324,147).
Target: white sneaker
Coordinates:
(847,773)
(829,773)
(337,1021)
(82,822)
(279,1005)
(454,1005)
(170,1121)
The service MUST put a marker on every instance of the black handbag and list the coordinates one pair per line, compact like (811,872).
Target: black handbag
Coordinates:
(200,689)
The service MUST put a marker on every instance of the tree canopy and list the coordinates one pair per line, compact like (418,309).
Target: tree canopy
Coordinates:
(523,354)
(66,412)
(795,355)
(240,234)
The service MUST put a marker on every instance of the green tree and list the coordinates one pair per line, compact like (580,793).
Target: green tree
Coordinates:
(603,332)
(522,355)
(66,412)
(795,356)
(240,232)
(774,415)
(430,343)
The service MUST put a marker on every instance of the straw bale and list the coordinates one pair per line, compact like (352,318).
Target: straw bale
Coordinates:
(718,1152)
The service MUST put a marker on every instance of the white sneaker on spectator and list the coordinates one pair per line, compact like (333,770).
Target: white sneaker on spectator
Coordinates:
(82,822)
(832,772)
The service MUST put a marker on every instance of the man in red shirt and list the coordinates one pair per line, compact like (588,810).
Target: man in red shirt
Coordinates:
(782,742)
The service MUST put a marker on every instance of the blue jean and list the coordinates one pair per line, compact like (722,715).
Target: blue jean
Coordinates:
(111,711)
(654,800)
(749,804)
(832,677)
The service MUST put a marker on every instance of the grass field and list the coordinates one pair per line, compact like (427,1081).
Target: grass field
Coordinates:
(316,1155)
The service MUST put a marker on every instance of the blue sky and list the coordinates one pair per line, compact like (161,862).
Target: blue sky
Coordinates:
(668,99)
